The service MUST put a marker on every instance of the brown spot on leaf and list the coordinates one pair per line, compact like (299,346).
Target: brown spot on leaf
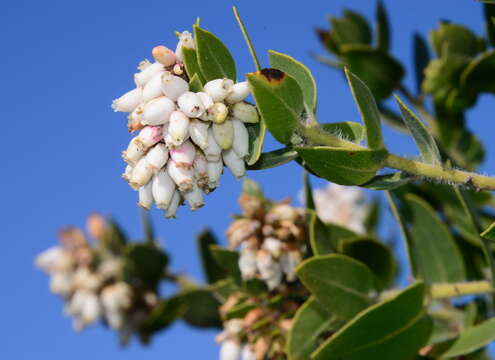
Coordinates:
(273,74)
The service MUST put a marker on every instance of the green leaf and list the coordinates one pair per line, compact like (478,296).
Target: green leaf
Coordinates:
(390,330)
(478,75)
(279,100)
(200,308)
(421,59)
(368,110)
(256,139)
(274,158)
(319,237)
(452,39)
(338,282)
(352,28)
(377,256)
(163,315)
(472,339)
(489,233)
(214,59)
(426,144)
(343,166)
(489,10)
(192,66)
(195,84)
(379,71)
(309,201)
(388,181)
(348,130)
(144,265)
(228,260)
(309,324)
(383,28)
(247,39)
(212,271)
(299,72)
(437,253)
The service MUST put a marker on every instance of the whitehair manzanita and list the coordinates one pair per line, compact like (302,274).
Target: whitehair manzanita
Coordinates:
(185,138)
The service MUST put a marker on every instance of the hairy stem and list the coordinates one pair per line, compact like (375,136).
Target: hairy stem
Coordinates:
(438,291)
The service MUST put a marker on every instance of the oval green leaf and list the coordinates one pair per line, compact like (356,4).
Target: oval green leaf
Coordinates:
(274,158)
(347,130)
(472,339)
(192,66)
(478,75)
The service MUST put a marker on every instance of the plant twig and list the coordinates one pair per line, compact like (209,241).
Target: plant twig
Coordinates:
(438,291)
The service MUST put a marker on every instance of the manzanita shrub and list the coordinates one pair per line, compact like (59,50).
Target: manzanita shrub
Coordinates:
(316,282)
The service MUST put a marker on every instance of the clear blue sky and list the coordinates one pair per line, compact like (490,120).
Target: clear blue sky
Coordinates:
(63,62)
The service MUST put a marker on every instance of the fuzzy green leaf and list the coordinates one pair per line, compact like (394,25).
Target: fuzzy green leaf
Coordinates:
(348,130)
(299,72)
(274,158)
(343,166)
(279,100)
(388,181)
(390,330)
(472,339)
(214,59)
(338,282)
(368,109)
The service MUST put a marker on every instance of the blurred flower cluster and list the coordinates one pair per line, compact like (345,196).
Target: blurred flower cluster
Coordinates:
(187,132)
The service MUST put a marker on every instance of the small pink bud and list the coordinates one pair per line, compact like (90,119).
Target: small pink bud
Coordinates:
(147,72)
(157,156)
(163,188)
(182,177)
(241,138)
(133,153)
(163,55)
(157,111)
(141,174)
(173,86)
(218,89)
(145,196)
(234,163)
(178,128)
(184,154)
(240,91)
(153,88)
(149,136)
(190,104)
(217,112)
(245,112)
(194,197)
(212,150)
(214,170)
(129,101)
(198,130)
(224,134)
(174,204)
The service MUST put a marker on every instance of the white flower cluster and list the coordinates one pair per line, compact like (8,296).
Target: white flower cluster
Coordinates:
(185,138)
(271,240)
(90,287)
(342,205)
(231,347)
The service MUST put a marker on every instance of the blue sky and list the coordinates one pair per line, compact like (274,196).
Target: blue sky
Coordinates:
(63,62)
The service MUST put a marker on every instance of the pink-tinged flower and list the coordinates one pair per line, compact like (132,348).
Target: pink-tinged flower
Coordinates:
(164,55)
(234,163)
(158,111)
(145,196)
(224,134)
(183,177)
(218,89)
(239,92)
(148,137)
(129,101)
(163,188)
(190,104)
(173,86)
(178,128)
(184,154)
(241,138)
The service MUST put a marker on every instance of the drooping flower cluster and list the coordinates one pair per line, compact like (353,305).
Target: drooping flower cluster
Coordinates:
(89,278)
(342,205)
(271,240)
(185,138)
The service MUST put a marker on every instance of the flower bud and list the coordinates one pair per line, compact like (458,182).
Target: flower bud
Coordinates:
(148,137)
(135,118)
(289,262)
(184,154)
(212,150)
(194,197)
(185,40)
(49,258)
(273,245)
(198,130)
(178,69)
(96,225)
(207,101)
(163,55)
(133,153)
(218,89)
(147,72)
(247,264)
(141,174)
(190,104)
(91,309)
(234,163)
(178,128)
(129,101)
(183,177)
(145,196)
(217,112)
(241,138)
(214,170)
(157,156)
(245,112)
(230,350)
(240,91)
(157,111)
(153,88)
(174,204)
(224,134)
(269,269)
(173,86)
(61,283)
(201,169)
(163,188)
